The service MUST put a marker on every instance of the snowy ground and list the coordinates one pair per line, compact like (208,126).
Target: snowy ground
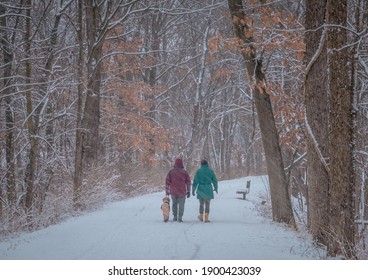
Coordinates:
(133,229)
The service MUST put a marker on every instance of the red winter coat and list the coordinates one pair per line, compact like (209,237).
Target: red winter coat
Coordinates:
(178,180)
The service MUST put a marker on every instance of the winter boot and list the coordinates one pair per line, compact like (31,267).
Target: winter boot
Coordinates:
(200,217)
(175,218)
(206,218)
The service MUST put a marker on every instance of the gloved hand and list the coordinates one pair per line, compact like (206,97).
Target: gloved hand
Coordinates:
(193,193)
(188,194)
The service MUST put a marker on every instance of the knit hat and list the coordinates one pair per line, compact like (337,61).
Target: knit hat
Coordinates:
(204,162)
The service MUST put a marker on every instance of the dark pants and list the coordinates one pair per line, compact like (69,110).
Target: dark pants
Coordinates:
(178,203)
(204,205)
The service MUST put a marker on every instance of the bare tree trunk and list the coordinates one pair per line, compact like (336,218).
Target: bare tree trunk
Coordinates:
(195,146)
(91,118)
(78,169)
(96,31)
(226,137)
(316,103)
(100,18)
(90,122)
(205,130)
(361,188)
(1,201)
(9,117)
(87,135)
(195,134)
(45,78)
(205,153)
(341,192)
(280,197)
(31,168)
(153,46)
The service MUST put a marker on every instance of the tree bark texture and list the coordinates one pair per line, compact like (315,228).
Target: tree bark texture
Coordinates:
(341,190)
(91,117)
(316,104)
(280,197)
(360,119)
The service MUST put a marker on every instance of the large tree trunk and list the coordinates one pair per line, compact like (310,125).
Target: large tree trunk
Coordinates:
(316,103)
(280,198)
(87,141)
(90,122)
(341,222)
(361,184)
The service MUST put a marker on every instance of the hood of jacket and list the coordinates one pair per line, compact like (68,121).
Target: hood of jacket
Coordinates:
(179,163)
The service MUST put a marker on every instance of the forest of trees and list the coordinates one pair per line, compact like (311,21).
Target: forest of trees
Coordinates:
(98,98)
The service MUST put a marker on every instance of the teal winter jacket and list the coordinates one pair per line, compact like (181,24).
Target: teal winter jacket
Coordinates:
(204,183)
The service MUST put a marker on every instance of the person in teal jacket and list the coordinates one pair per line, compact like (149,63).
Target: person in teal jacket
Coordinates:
(204,184)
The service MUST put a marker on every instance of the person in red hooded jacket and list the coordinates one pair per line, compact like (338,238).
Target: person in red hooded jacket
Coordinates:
(178,186)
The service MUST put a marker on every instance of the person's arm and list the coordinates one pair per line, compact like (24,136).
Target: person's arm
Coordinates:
(168,184)
(188,183)
(195,184)
(214,182)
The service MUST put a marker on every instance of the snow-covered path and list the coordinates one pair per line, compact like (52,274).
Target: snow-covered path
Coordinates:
(133,229)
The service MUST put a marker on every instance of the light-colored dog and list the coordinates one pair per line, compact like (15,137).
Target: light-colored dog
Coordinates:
(165,207)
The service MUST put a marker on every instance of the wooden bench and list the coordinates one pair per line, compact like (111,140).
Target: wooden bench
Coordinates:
(245,191)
